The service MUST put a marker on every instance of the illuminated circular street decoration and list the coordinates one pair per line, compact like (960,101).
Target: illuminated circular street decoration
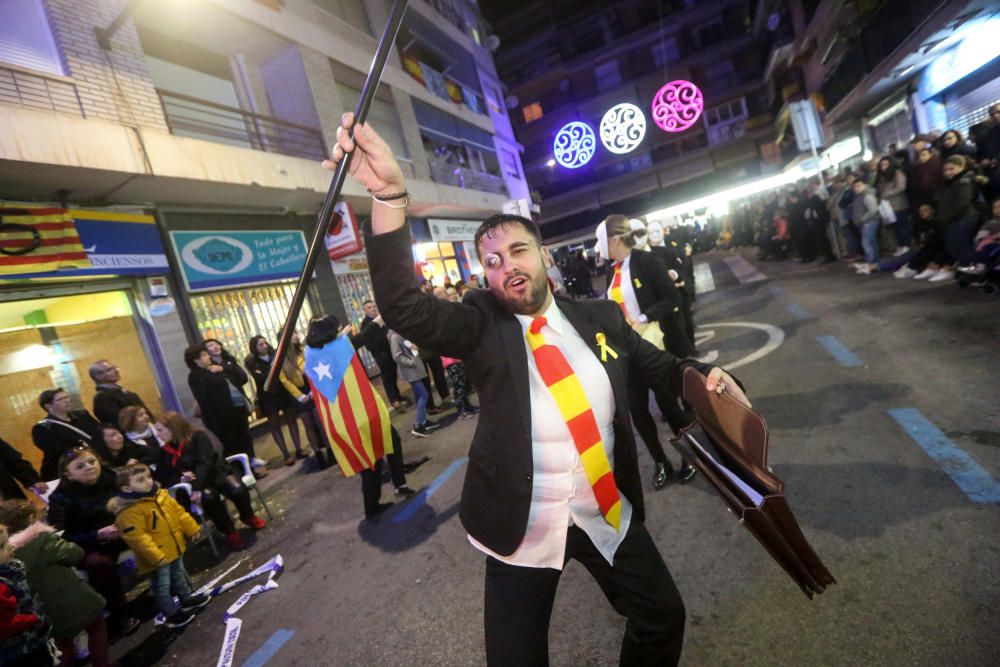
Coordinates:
(574,145)
(623,128)
(677,106)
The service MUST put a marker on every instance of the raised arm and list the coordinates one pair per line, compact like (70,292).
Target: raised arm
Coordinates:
(447,328)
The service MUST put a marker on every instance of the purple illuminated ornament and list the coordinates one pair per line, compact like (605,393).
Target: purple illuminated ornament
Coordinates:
(677,106)
(574,145)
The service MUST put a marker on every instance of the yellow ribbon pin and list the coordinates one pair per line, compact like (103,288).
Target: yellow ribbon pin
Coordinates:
(638,285)
(602,343)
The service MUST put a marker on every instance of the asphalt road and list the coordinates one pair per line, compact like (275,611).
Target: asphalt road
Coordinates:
(828,358)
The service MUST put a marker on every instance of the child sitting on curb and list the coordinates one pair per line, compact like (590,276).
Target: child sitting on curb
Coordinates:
(157,528)
(71,603)
(25,632)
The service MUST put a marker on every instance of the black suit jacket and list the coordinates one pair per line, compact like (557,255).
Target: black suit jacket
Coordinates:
(496,497)
(109,401)
(656,294)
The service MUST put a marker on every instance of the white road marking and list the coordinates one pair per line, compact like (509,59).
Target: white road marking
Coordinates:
(703,280)
(775,337)
(744,271)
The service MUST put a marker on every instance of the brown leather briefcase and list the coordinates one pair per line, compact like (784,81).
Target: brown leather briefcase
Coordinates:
(728,444)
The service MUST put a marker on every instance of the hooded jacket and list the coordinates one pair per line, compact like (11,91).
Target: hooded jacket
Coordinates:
(69,601)
(154,526)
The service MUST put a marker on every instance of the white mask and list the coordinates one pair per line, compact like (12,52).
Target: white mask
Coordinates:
(641,242)
(654,231)
(602,242)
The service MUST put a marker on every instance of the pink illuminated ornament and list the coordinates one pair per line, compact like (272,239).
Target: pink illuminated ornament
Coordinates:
(677,105)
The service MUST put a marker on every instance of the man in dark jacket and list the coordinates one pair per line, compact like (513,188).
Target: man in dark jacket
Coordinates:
(13,469)
(111,397)
(530,501)
(223,406)
(373,335)
(61,429)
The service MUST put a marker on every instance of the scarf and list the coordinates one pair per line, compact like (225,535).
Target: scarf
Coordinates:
(175,452)
(135,436)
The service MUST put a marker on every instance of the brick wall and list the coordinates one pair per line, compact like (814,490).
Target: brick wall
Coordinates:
(120,91)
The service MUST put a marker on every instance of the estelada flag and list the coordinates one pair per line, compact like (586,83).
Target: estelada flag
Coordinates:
(354,417)
(37,240)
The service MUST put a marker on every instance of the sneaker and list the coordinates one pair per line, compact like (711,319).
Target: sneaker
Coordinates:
(972,268)
(925,274)
(195,602)
(902,250)
(235,541)
(942,274)
(865,270)
(420,431)
(687,472)
(662,476)
(403,491)
(178,619)
(258,463)
(253,521)
(431,425)
(905,272)
(858,265)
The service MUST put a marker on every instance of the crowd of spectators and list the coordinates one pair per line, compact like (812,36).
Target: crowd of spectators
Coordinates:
(926,211)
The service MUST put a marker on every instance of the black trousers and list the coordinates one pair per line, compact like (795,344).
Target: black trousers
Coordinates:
(435,369)
(387,369)
(371,480)
(519,600)
(234,432)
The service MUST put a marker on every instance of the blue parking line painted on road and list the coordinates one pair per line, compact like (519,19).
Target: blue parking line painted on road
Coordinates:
(839,351)
(968,475)
(270,647)
(420,499)
(798,312)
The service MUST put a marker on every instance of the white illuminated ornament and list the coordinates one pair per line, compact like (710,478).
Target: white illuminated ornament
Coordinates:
(574,145)
(622,128)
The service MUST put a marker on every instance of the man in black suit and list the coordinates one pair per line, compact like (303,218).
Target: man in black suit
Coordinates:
(373,334)
(526,501)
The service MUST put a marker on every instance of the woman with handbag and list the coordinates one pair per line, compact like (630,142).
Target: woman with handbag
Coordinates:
(891,183)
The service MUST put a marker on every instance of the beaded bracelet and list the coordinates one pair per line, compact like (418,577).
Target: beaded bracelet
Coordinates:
(398,195)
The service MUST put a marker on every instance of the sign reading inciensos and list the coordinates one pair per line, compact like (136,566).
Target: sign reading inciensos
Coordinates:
(210,260)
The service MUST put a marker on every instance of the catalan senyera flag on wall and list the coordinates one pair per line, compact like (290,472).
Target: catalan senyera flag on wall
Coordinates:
(37,240)
(354,417)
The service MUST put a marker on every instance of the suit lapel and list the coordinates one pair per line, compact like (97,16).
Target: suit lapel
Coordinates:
(588,328)
(517,361)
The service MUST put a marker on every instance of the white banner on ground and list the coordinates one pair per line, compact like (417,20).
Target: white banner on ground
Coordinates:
(272,566)
(229,643)
(243,599)
(210,585)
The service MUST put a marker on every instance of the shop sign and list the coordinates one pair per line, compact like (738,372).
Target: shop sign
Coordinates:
(113,243)
(978,47)
(350,264)
(342,236)
(443,230)
(214,259)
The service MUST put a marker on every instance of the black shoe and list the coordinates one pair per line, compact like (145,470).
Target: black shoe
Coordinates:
(662,476)
(431,426)
(124,628)
(687,473)
(301,455)
(374,514)
(404,491)
(420,431)
(195,602)
(178,619)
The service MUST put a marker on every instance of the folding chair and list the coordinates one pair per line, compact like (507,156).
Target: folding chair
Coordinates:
(197,511)
(249,480)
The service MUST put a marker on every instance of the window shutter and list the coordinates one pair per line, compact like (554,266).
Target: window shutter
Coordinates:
(26,38)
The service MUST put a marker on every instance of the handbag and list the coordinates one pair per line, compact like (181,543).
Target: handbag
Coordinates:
(728,445)
(886,213)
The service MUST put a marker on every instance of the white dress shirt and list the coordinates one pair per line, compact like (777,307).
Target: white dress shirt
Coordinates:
(561,494)
(628,293)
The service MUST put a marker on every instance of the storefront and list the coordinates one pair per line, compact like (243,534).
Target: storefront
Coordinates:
(77,286)
(238,275)
(445,250)
(957,88)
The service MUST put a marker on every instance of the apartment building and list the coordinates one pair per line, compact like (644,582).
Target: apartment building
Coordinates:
(171,148)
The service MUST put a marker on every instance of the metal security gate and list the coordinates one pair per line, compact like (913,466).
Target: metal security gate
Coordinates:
(966,110)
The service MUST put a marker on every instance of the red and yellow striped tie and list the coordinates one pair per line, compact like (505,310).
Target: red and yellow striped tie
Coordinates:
(616,289)
(568,393)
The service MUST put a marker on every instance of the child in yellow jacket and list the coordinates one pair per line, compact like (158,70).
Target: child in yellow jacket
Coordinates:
(157,529)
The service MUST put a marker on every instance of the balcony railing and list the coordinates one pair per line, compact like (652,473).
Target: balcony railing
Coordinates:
(200,119)
(448,173)
(37,91)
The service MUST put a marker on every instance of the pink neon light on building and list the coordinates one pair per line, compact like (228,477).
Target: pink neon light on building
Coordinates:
(677,105)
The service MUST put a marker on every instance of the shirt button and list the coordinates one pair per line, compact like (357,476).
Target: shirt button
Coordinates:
(527,479)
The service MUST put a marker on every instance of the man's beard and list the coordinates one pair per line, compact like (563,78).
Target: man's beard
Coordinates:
(524,304)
